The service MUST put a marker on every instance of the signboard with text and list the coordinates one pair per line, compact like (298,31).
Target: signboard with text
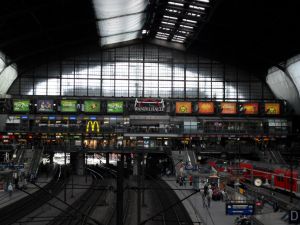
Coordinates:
(239,209)
(294,216)
(149,105)
(183,107)
(228,108)
(249,108)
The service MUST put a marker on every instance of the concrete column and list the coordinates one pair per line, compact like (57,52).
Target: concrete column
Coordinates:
(80,164)
(107,158)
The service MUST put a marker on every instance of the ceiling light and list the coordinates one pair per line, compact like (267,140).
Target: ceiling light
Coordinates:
(170,17)
(207,1)
(196,7)
(190,21)
(175,3)
(144,31)
(188,27)
(168,23)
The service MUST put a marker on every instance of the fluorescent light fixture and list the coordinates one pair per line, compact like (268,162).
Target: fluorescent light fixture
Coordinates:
(189,21)
(206,1)
(176,40)
(173,10)
(196,7)
(168,23)
(185,26)
(170,17)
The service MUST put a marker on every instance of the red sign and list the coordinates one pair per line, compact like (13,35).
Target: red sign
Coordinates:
(228,108)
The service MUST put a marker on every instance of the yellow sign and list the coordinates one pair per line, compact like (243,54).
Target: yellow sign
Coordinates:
(93,125)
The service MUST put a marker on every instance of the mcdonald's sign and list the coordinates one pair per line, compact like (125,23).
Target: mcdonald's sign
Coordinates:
(92,126)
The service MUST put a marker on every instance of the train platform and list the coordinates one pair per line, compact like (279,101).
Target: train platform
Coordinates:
(213,215)
(5,199)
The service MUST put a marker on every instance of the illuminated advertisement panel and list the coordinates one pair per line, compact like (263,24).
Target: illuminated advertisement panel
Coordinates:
(272,108)
(92,106)
(250,108)
(115,107)
(206,107)
(183,107)
(228,108)
(68,105)
(45,105)
(20,105)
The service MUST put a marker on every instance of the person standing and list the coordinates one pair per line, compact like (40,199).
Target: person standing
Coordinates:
(209,196)
(10,189)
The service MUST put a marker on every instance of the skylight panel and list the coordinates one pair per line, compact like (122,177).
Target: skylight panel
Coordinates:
(196,7)
(175,3)
(119,20)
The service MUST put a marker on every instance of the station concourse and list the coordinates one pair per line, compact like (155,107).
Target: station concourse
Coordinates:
(135,112)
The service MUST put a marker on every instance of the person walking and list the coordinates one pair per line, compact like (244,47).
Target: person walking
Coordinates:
(10,189)
(209,196)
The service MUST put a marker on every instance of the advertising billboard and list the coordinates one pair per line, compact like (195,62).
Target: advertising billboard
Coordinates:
(20,105)
(272,108)
(91,106)
(115,107)
(68,106)
(228,108)
(149,105)
(250,108)
(45,105)
(183,107)
(206,107)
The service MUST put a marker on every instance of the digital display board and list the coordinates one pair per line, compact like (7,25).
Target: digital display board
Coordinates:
(20,105)
(228,108)
(239,209)
(250,108)
(68,106)
(115,107)
(272,108)
(206,107)
(183,107)
(92,106)
(45,105)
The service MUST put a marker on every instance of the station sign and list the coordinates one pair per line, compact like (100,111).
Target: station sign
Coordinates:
(294,216)
(206,107)
(149,105)
(239,209)
(228,108)
(183,107)
(45,105)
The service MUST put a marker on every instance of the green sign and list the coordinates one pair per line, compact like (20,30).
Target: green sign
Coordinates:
(114,107)
(91,106)
(21,105)
(68,106)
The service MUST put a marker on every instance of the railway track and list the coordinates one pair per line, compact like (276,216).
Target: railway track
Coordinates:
(175,215)
(82,209)
(19,209)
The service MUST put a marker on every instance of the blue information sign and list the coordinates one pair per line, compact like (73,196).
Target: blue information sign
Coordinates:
(239,209)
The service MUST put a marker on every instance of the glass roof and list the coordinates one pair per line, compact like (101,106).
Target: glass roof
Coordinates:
(180,19)
(119,20)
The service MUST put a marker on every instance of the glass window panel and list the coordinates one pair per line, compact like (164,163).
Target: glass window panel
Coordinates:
(217,93)
(151,71)
(255,90)
(108,88)
(67,87)
(192,72)
(94,87)
(243,90)
(54,70)
(108,71)
(178,72)
(40,87)
(218,71)
(165,71)
(230,90)
(80,87)
(67,71)
(94,70)
(135,88)
(26,86)
(178,92)
(122,70)
(121,88)
(135,71)
(53,87)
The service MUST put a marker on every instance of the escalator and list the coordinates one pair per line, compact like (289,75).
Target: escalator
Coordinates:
(36,159)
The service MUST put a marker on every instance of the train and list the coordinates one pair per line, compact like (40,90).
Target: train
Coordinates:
(274,176)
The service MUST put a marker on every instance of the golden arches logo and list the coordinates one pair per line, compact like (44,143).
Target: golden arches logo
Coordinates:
(93,125)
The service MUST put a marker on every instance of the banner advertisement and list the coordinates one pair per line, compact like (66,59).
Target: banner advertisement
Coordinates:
(250,108)
(183,107)
(92,127)
(115,107)
(45,105)
(68,105)
(149,105)
(92,106)
(228,108)
(272,108)
(21,105)
(206,107)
